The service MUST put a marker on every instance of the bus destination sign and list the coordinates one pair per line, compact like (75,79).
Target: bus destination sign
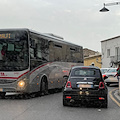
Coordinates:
(5,36)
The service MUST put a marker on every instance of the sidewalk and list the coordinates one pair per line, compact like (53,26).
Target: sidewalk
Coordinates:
(114,96)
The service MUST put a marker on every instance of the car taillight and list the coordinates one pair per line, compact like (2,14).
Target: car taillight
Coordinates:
(68,97)
(101,98)
(68,84)
(101,85)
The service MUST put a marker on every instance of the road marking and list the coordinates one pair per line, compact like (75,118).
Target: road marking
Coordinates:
(110,94)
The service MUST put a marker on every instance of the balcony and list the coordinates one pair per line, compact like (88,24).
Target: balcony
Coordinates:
(115,59)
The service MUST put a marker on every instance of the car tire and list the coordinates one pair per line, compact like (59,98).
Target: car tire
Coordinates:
(105,104)
(65,102)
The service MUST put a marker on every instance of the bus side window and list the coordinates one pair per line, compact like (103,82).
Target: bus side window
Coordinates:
(32,43)
(31,52)
(32,48)
(38,51)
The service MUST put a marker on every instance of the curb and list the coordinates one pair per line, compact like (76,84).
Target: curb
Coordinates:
(114,96)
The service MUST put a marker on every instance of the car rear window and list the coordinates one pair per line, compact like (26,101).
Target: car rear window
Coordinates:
(103,70)
(85,72)
(111,70)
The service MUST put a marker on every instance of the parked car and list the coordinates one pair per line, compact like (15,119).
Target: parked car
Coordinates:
(104,70)
(110,76)
(85,84)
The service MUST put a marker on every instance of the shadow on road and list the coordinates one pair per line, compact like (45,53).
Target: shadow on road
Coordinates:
(30,96)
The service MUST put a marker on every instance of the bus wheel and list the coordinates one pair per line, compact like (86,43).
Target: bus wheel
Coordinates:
(44,87)
(2,95)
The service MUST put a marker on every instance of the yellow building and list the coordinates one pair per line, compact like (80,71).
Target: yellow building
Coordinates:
(93,59)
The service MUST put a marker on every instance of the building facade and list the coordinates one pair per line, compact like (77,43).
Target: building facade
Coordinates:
(92,57)
(87,52)
(110,52)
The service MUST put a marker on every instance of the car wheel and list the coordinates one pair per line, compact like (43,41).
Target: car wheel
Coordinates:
(65,102)
(105,104)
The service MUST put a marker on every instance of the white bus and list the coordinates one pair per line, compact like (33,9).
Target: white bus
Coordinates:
(34,62)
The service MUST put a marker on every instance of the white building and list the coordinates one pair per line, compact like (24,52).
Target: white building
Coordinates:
(110,52)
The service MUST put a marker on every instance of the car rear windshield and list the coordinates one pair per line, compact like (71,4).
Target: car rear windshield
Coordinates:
(112,70)
(88,72)
(104,70)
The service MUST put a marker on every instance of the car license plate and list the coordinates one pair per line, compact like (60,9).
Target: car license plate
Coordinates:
(1,89)
(85,86)
(84,93)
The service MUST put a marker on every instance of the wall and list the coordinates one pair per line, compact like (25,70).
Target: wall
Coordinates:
(109,44)
(87,52)
(89,60)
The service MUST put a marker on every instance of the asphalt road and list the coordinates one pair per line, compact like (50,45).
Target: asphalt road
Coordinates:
(50,107)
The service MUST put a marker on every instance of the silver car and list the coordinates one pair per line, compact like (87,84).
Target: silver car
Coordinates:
(111,78)
(104,70)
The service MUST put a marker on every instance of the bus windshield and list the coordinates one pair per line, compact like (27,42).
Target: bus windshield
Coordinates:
(14,55)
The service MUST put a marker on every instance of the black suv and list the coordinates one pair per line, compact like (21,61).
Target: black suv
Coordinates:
(85,85)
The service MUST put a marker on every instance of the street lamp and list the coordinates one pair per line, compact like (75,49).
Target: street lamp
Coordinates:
(104,9)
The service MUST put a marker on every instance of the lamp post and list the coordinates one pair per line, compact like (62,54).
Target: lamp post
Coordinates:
(104,9)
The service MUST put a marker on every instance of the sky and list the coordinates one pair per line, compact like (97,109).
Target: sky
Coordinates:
(77,21)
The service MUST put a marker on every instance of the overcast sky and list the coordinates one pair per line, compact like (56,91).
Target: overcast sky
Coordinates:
(78,21)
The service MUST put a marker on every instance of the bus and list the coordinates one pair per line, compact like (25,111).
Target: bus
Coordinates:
(35,62)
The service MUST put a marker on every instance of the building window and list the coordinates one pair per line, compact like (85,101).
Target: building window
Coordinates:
(108,52)
(117,53)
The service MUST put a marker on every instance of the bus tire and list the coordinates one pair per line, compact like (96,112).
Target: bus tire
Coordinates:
(44,86)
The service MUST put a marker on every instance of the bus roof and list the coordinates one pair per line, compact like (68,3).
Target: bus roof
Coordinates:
(54,37)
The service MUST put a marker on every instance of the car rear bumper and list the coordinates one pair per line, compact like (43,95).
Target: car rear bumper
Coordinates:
(85,95)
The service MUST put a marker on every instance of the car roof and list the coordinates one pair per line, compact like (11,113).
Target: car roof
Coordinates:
(112,68)
(104,68)
(85,67)
(108,68)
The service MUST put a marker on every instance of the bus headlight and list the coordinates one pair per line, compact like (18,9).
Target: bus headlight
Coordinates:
(21,83)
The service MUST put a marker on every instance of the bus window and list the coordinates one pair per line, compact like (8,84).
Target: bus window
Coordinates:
(16,56)
(38,51)
(31,52)
(10,47)
(32,43)
(44,49)
(58,52)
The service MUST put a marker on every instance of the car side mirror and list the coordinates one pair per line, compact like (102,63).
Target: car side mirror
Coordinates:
(105,77)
